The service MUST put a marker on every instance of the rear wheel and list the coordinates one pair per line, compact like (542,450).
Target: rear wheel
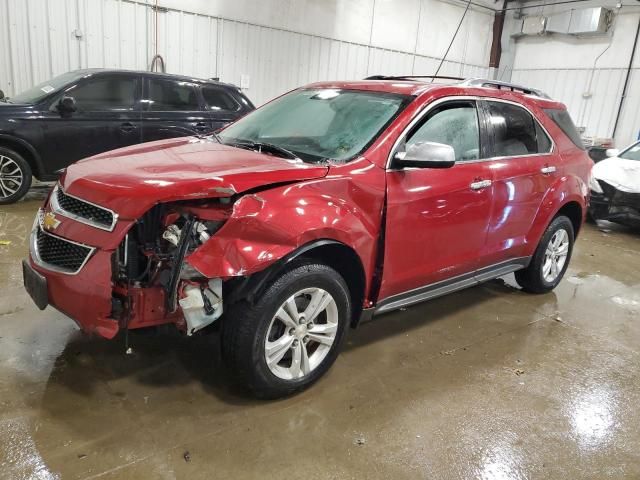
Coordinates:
(291,335)
(15,176)
(551,259)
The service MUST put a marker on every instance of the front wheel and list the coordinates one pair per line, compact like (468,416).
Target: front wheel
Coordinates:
(15,176)
(290,336)
(551,259)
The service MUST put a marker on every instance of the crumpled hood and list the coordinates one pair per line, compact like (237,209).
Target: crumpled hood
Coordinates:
(620,173)
(131,180)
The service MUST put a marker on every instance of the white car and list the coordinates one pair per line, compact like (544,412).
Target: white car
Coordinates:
(615,187)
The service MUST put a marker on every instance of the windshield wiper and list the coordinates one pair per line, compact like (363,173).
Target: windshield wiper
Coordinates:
(207,136)
(265,147)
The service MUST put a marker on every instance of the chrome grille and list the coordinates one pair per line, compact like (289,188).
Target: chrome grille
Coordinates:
(56,253)
(82,210)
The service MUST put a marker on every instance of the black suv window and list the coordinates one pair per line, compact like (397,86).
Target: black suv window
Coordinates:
(454,124)
(217,99)
(515,131)
(171,95)
(105,93)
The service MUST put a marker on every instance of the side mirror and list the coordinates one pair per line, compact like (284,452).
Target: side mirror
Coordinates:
(1,95)
(426,155)
(612,152)
(67,105)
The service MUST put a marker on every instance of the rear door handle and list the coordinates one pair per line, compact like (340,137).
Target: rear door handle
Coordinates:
(127,126)
(548,169)
(480,184)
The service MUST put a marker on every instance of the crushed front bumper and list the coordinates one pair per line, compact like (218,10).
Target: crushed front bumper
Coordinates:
(615,206)
(83,293)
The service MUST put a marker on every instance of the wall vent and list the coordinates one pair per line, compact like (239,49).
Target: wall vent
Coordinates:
(578,22)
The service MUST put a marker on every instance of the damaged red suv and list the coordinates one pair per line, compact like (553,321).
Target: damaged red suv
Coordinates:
(331,204)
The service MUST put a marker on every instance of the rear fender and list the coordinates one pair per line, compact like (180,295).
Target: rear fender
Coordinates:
(567,189)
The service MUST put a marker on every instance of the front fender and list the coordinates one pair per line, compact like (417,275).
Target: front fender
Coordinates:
(266,226)
(566,189)
(36,164)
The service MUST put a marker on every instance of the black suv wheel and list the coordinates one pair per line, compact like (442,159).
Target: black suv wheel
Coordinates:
(15,176)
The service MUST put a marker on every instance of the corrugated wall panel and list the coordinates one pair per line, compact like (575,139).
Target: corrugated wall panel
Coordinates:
(6,67)
(595,113)
(629,125)
(21,53)
(38,41)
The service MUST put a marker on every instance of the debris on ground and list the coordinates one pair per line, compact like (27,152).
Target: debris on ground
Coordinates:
(5,242)
(82,455)
(187,456)
(558,318)
(518,371)
(447,352)
(359,440)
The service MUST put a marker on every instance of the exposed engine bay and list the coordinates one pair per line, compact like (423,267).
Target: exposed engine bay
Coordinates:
(153,283)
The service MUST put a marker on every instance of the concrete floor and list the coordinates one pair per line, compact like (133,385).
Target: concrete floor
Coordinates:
(488,383)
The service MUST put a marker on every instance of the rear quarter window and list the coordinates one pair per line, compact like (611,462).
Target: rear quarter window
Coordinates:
(563,120)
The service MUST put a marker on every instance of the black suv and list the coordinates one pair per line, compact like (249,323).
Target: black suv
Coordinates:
(86,112)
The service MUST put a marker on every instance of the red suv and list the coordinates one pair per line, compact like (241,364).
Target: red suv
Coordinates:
(331,204)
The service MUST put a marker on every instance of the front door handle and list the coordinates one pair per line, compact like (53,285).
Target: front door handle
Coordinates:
(547,169)
(480,184)
(127,126)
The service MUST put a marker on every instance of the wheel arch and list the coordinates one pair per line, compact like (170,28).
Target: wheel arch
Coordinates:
(25,150)
(566,197)
(332,253)
(574,212)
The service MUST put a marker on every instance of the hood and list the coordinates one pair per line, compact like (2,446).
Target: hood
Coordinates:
(131,180)
(7,108)
(620,173)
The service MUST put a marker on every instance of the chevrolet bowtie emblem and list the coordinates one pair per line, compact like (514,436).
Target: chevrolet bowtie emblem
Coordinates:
(50,222)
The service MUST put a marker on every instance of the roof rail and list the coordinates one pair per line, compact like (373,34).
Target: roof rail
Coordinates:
(409,77)
(483,82)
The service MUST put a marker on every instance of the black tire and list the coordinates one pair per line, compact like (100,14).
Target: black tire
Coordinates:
(13,159)
(245,328)
(531,279)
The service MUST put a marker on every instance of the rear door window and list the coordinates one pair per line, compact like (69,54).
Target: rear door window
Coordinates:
(172,96)
(544,142)
(217,100)
(515,132)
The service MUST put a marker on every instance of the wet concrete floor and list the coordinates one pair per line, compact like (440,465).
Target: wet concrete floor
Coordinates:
(487,383)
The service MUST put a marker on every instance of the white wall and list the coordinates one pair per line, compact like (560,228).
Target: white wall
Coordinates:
(568,69)
(279,44)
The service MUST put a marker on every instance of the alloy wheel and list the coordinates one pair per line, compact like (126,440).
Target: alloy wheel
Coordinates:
(11,177)
(555,256)
(301,333)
